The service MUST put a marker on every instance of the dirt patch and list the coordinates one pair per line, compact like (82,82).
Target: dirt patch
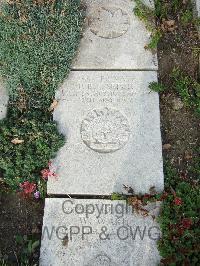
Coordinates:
(180,129)
(179,49)
(180,125)
(19,216)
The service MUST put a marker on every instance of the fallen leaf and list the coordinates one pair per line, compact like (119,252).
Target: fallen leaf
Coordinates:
(188,156)
(17,141)
(53,105)
(168,25)
(167,146)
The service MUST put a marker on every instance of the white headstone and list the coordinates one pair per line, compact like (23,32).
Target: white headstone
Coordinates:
(112,126)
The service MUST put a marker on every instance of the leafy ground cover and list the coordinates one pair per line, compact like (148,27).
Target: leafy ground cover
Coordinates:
(179,219)
(38,40)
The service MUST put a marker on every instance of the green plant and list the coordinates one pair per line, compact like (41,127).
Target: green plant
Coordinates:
(38,40)
(195,51)
(27,248)
(194,168)
(117,196)
(147,15)
(187,88)
(161,12)
(187,17)
(155,39)
(24,161)
(157,87)
(3,262)
(176,4)
(179,220)
(161,9)
(36,50)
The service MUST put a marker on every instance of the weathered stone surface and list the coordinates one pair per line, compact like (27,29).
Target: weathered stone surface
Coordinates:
(197,7)
(3,100)
(112,127)
(114,38)
(97,233)
(105,130)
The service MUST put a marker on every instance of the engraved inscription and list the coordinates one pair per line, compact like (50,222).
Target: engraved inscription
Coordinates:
(105,130)
(109,22)
(102,93)
(101,260)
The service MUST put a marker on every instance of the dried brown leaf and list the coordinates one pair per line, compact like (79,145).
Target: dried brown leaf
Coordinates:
(53,105)
(167,146)
(17,141)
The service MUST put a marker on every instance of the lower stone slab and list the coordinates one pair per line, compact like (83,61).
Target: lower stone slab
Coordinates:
(78,232)
(111,122)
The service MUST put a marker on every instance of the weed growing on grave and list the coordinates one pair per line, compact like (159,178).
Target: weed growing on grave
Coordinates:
(185,86)
(179,216)
(158,19)
(186,17)
(155,38)
(28,245)
(38,40)
(147,15)
(157,87)
(117,196)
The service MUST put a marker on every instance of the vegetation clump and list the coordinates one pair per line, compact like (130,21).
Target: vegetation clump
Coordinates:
(185,86)
(179,219)
(188,89)
(178,39)
(158,17)
(38,40)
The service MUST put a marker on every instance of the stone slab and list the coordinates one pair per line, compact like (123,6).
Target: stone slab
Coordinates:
(3,100)
(114,38)
(112,126)
(97,233)
(198,7)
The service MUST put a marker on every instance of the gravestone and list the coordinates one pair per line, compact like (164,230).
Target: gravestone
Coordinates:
(97,233)
(114,38)
(112,127)
(111,123)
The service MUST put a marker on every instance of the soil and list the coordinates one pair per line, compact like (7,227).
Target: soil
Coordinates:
(18,216)
(180,130)
(180,125)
